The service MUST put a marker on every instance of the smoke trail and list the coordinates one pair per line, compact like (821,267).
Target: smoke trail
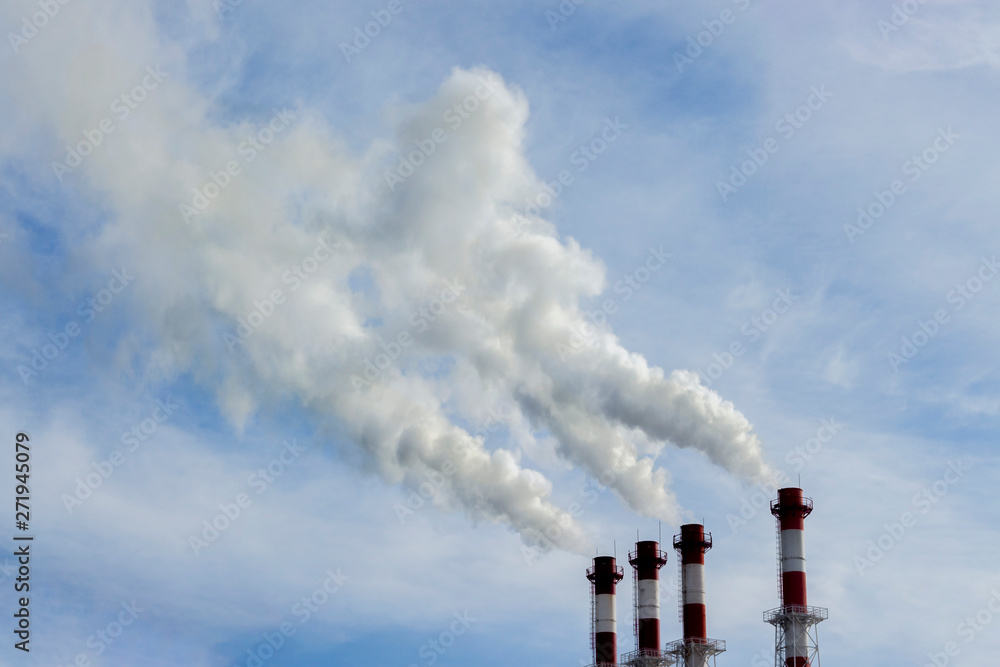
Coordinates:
(307,271)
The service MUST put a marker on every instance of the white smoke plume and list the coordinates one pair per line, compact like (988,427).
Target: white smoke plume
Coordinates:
(435,272)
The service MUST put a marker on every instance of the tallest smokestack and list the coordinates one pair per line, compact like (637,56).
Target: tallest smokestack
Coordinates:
(796,643)
(791,510)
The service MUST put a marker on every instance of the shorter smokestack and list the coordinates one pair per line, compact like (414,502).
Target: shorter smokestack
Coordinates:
(604,577)
(691,545)
(646,561)
(695,649)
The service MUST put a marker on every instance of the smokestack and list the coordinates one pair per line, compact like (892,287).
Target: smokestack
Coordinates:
(695,649)
(604,576)
(791,510)
(794,621)
(646,561)
(691,545)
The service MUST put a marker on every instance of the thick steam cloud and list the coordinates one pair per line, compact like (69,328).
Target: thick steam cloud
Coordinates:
(402,295)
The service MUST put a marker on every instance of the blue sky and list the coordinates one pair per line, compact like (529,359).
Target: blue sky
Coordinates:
(491,402)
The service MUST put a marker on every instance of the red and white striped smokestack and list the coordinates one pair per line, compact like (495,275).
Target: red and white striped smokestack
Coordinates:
(695,649)
(692,543)
(796,635)
(604,577)
(791,509)
(647,559)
